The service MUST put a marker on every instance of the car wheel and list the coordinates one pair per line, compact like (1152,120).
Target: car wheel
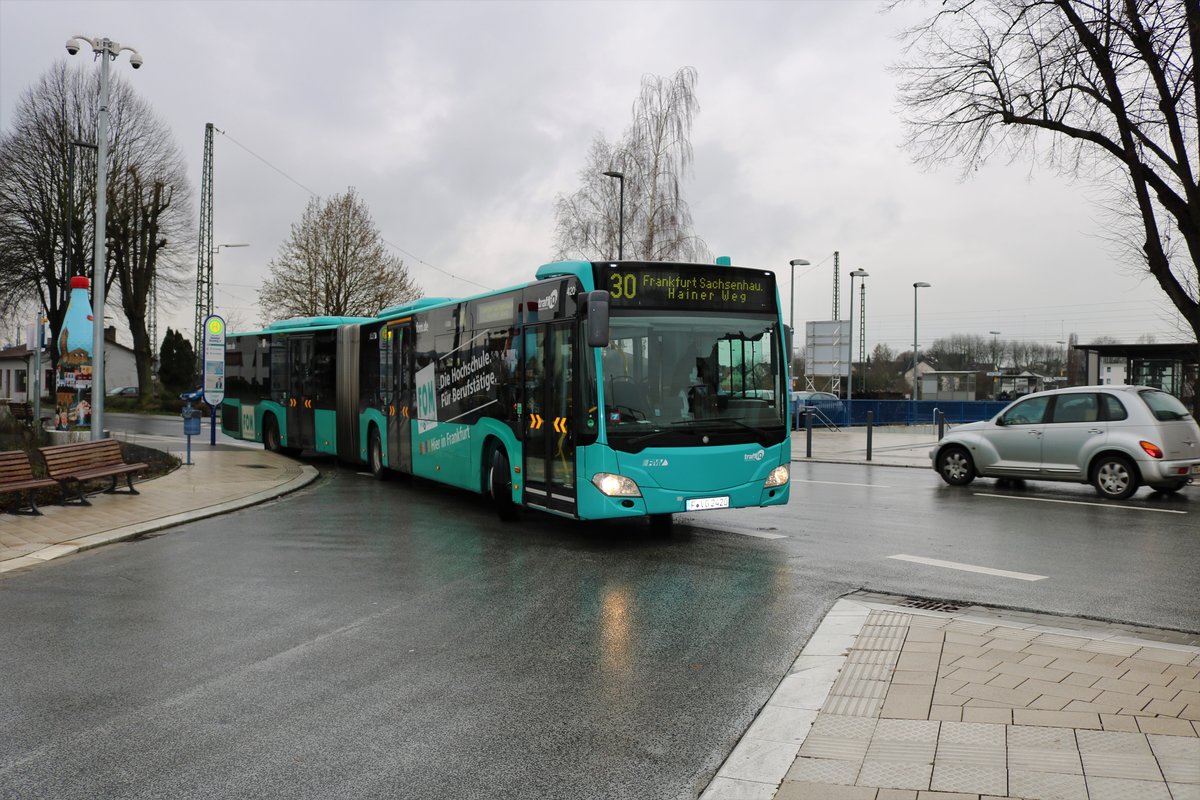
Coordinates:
(375,455)
(1115,477)
(955,466)
(500,487)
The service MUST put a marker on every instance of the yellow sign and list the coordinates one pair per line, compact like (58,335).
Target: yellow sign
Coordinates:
(215,325)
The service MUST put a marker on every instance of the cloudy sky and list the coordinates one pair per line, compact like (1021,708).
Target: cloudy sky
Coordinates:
(459,123)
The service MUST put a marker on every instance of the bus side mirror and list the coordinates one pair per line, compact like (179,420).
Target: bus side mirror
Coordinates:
(595,309)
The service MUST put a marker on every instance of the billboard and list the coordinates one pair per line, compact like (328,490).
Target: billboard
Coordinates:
(827,348)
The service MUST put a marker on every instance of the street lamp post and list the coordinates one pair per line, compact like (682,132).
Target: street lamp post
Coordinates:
(916,393)
(995,360)
(106,50)
(620,176)
(795,262)
(858,273)
(1064,359)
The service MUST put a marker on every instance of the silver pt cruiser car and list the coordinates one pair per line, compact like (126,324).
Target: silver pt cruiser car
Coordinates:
(1113,437)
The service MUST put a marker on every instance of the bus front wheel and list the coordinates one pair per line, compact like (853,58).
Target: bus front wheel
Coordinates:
(500,486)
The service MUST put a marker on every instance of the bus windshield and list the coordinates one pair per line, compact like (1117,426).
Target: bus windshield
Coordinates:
(669,377)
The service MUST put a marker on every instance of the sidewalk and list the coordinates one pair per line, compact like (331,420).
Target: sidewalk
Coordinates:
(893,701)
(890,446)
(221,479)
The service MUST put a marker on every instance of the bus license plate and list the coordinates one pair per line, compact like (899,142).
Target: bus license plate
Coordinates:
(703,503)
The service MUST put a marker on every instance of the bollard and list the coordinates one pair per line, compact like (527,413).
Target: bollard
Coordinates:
(808,432)
(870,430)
(941,422)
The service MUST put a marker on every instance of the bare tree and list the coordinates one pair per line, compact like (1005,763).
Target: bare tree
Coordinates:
(335,264)
(45,230)
(1098,89)
(654,155)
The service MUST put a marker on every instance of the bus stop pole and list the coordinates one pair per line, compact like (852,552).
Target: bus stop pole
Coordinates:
(212,426)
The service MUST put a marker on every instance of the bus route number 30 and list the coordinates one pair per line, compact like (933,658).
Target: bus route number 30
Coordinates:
(624,287)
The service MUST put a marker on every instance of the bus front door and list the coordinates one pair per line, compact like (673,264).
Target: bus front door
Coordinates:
(549,431)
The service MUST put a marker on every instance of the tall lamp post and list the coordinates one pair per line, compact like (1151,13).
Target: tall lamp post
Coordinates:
(858,273)
(916,381)
(995,360)
(620,176)
(106,50)
(795,262)
(1064,359)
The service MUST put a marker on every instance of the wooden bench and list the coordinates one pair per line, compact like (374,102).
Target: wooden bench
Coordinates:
(16,475)
(85,461)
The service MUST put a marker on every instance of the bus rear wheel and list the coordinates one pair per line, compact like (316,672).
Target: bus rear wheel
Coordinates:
(271,435)
(500,487)
(375,456)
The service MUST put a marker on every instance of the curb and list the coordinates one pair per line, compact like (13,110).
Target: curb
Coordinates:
(307,475)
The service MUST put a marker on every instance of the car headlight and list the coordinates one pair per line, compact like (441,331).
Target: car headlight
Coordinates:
(778,477)
(615,485)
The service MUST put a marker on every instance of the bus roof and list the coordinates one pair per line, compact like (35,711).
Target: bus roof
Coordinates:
(412,306)
(312,323)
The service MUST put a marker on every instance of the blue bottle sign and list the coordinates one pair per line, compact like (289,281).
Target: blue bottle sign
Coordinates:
(73,394)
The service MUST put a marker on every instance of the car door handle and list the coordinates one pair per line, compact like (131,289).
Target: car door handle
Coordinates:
(1095,430)
(1035,433)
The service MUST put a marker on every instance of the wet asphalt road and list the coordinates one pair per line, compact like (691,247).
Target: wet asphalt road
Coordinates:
(393,640)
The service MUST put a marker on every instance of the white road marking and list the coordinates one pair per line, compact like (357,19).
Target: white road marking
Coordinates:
(1081,503)
(1002,573)
(840,483)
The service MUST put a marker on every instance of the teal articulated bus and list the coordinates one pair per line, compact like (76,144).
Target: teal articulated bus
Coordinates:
(598,391)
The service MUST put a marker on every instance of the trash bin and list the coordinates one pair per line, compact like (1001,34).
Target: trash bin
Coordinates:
(191,421)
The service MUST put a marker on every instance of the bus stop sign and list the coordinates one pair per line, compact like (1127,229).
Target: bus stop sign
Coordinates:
(214,360)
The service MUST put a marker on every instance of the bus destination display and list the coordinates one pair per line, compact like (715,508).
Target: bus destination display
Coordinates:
(688,287)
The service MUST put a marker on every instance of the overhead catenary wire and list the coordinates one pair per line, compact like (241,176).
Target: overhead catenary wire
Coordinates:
(386,241)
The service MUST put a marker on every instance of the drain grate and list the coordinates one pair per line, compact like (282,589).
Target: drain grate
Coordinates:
(929,605)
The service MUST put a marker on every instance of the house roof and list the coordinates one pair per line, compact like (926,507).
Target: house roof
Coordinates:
(17,351)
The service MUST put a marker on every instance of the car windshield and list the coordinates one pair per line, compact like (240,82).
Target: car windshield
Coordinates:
(667,377)
(1165,407)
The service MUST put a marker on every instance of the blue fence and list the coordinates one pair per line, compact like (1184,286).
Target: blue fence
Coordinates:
(898,412)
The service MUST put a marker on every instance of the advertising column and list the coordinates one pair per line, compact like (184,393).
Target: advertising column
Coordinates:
(73,390)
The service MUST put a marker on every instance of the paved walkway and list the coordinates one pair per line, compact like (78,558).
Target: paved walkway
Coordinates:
(220,479)
(887,701)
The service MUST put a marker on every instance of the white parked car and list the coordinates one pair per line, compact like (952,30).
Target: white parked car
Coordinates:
(1116,438)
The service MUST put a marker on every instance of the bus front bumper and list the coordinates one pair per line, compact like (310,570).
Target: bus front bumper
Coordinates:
(593,504)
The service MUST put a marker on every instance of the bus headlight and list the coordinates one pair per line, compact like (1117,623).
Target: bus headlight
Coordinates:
(778,477)
(615,485)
